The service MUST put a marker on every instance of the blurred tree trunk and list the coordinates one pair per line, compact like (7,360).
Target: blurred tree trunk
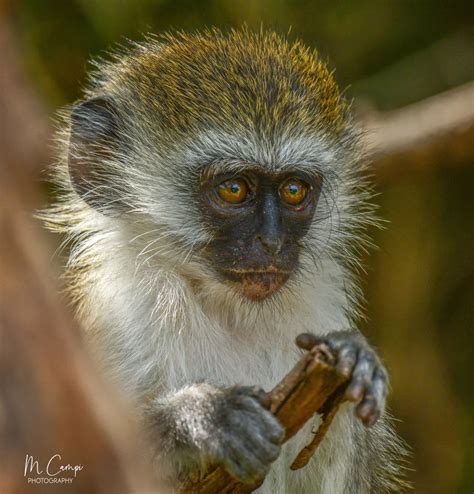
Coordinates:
(52,401)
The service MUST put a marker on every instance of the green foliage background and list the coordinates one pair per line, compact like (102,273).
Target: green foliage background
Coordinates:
(420,282)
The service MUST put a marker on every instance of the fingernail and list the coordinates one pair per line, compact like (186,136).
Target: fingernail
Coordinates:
(306,341)
(344,370)
(372,419)
(355,392)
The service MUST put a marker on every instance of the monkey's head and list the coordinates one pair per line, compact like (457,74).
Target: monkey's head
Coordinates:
(230,153)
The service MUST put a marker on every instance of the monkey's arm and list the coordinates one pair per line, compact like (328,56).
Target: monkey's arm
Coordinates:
(202,424)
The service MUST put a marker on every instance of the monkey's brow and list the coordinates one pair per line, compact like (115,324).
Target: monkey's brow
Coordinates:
(233,166)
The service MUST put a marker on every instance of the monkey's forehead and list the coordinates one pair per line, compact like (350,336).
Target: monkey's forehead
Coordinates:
(239,79)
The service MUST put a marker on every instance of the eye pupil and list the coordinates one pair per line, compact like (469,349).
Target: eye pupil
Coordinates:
(293,189)
(234,188)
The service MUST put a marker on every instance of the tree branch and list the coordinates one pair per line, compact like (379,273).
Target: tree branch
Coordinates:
(438,131)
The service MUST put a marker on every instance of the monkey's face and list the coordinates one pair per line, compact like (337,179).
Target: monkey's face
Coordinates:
(166,129)
(257,219)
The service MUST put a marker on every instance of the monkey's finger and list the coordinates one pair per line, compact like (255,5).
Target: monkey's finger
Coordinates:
(379,386)
(262,397)
(371,407)
(307,341)
(255,392)
(249,429)
(361,377)
(242,459)
(365,366)
(272,428)
(368,411)
(235,468)
(356,389)
(265,437)
(346,360)
(377,390)
(275,431)
(266,450)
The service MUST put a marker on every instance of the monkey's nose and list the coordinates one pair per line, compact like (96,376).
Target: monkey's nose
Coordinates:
(271,244)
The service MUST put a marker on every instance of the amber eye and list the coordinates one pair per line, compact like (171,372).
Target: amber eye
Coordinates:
(234,191)
(294,191)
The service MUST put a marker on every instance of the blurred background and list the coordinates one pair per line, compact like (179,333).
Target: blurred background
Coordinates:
(388,54)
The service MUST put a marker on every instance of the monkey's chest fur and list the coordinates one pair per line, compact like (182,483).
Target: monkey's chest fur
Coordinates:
(186,339)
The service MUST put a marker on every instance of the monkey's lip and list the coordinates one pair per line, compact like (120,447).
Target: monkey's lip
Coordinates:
(257,285)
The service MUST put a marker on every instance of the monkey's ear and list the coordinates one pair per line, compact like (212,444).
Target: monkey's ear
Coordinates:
(94,140)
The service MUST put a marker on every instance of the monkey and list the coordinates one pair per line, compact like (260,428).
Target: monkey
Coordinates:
(214,193)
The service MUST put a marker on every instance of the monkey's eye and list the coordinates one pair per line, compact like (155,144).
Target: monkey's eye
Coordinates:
(233,191)
(294,191)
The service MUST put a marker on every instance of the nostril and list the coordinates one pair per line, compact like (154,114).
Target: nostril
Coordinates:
(272,245)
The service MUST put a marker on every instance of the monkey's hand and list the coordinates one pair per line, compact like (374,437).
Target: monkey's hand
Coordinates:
(357,360)
(230,426)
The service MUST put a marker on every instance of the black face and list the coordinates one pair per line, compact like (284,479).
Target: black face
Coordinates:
(258,219)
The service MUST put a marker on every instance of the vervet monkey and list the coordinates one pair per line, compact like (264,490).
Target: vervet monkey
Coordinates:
(211,188)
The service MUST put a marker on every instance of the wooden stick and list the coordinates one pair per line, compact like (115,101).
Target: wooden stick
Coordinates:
(328,413)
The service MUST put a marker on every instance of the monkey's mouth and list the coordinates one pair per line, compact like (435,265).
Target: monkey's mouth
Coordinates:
(257,285)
